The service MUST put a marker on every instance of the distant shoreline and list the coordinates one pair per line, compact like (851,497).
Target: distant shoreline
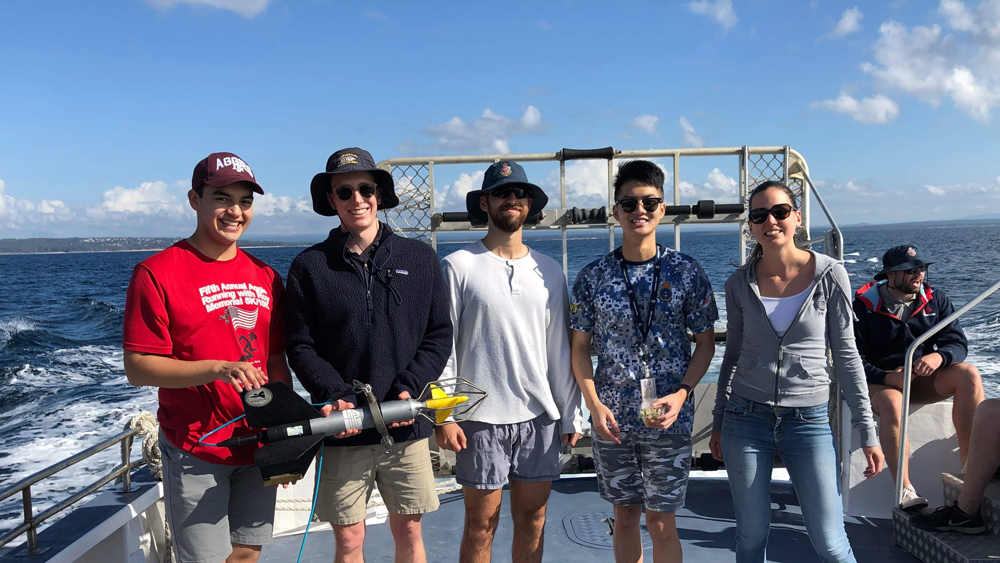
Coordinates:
(106,251)
(88,245)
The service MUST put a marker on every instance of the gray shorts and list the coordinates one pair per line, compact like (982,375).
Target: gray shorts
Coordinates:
(211,506)
(494,453)
(644,469)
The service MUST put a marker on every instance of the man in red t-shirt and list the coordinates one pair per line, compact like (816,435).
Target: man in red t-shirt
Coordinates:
(203,322)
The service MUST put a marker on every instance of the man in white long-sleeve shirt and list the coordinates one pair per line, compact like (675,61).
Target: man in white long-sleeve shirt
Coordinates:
(509,308)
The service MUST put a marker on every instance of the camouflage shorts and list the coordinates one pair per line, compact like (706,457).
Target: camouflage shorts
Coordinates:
(645,468)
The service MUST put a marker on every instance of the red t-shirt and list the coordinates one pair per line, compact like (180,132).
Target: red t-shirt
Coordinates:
(186,306)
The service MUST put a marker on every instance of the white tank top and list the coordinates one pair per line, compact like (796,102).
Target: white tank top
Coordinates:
(781,311)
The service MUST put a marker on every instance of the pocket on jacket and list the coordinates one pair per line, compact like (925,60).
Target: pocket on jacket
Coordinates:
(807,368)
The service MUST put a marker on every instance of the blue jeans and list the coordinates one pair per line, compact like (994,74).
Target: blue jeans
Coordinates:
(752,433)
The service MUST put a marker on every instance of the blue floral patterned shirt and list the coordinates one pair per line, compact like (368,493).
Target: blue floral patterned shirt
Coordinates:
(601,306)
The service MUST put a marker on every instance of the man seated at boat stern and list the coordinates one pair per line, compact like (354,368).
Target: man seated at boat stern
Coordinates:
(892,311)
(633,308)
(203,322)
(368,305)
(509,310)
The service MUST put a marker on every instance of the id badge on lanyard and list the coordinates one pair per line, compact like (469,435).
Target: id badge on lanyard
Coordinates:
(647,388)
(647,384)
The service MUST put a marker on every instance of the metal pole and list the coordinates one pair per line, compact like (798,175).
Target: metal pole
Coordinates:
(28,519)
(430,178)
(126,456)
(562,209)
(744,162)
(611,202)
(677,201)
(908,372)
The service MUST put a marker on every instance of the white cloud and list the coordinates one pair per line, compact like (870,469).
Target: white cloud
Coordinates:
(935,190)
(149,198)
(876,109)
(850,22)
(957,14)
(984,23)
(933,66)
(720,185)
(586,183)
(269,205)
(719,10)
(531,118)
(245,8)
(452,196)
(646,122)
(691,137)
(490,133)
(16,213)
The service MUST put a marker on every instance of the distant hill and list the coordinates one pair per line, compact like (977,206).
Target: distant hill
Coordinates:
(103,244)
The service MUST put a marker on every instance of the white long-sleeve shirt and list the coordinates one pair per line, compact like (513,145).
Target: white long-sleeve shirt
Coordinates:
(512,337)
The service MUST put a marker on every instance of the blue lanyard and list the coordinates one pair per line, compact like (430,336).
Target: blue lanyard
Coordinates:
(641,328)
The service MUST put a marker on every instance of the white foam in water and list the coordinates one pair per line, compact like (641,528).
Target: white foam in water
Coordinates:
(36,441)
(74,366)
(64,433)
(872,259)
(10,327)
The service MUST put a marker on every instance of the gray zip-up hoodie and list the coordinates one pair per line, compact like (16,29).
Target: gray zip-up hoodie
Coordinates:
(791,370)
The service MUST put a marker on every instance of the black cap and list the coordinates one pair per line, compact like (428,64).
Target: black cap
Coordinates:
(351,159)
(499,175)
(900,258)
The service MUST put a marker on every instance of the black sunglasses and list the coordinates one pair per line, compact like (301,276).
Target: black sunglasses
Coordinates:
(759,214)
(345,193)
(503,193)
(630,204)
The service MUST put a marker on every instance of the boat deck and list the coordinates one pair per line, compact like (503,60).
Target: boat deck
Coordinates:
(576,530)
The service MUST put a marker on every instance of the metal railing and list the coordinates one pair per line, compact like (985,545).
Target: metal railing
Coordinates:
(32,522)
(417,190)
(415,180)
(901,460)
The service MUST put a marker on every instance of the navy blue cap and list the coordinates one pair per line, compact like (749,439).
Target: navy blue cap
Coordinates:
(351,159)
(900,258)
(504,174)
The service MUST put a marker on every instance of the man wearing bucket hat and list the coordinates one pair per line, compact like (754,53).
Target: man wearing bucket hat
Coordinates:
(892,311)
(509,309)
(368,305)
(203,323)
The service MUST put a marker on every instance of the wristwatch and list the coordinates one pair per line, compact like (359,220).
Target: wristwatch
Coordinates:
(690,391)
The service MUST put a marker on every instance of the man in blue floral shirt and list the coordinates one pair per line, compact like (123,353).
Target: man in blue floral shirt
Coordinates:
(633,308)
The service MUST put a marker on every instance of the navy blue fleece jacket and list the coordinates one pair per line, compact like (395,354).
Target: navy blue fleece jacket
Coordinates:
(387,325)
(883,338)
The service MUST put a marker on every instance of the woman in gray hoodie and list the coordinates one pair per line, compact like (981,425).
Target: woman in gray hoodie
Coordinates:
(785,308)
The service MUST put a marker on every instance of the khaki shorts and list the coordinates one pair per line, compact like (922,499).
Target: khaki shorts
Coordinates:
(405,479)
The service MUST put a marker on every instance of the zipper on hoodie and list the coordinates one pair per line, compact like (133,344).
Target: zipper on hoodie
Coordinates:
(756,288)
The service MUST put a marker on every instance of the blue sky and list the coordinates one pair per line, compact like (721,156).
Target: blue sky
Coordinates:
(106,107)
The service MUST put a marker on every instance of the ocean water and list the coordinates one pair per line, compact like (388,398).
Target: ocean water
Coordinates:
(62,386)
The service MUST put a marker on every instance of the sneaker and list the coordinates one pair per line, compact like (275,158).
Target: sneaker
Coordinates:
(951,519)
(911,500)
